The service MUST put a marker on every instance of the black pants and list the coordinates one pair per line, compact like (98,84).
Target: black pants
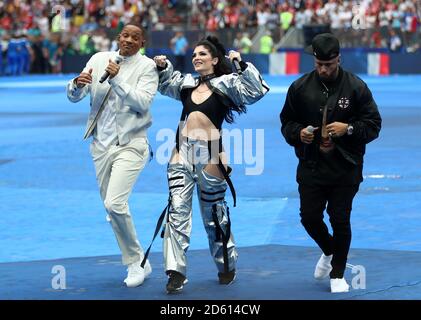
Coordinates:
(313,200)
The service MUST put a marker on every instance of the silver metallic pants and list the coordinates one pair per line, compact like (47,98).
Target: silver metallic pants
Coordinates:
(182,177)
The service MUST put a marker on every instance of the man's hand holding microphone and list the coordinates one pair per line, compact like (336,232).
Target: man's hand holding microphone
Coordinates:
(307,134)
(335,130)
(111,71)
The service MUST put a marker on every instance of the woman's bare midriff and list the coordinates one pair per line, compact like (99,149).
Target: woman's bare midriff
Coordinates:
(199,127)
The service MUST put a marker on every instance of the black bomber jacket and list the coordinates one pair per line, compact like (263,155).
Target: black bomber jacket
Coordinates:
(349,100)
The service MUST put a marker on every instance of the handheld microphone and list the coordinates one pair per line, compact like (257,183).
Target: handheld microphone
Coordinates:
(237,66)
(106,74)
(310,129)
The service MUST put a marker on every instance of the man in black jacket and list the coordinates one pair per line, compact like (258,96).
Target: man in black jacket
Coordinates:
(328,117)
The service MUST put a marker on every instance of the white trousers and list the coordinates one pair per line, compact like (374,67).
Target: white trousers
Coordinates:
(117,169)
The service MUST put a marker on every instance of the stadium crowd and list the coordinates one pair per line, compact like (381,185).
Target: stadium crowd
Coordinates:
(33,39)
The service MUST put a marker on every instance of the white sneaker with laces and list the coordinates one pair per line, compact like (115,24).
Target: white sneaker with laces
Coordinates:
(323,267)
(338,285)
(136,275)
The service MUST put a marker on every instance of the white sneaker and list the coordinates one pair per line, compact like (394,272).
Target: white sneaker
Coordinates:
(323,267)
(135,275)
(338,285)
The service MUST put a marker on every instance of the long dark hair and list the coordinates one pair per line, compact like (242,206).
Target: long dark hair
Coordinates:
(217,50)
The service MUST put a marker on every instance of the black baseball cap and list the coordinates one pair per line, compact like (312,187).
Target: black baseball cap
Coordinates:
(324,46)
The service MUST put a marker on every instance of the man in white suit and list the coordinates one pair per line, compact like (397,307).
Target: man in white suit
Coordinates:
(118,123)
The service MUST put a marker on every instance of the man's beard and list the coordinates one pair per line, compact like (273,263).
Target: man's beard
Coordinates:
(330,78)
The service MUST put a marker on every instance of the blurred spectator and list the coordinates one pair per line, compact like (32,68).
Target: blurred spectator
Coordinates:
(245,43)
(375,40)
(79,13)
(39,62)
(179,47)
(231,17)
(384,19)
(3,50)
(266,43)
(410,27)
(43,22)
(25,56)
(242,42)
(90,26)
(237,41)
(243,17)
(101,41)
(336,25)
(273,20)
(262,14)
(286,18)
(345,32)
(301,18)
(86,45)
(13,56)
(395,41)
(53,51)
(397,17)
(252,20)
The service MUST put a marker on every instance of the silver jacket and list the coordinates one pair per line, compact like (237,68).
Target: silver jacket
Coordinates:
(243,89)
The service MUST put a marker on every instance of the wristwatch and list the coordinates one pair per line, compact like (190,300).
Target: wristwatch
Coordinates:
(349,129)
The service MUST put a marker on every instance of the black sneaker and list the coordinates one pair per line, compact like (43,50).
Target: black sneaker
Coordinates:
(226,278)
(175,282)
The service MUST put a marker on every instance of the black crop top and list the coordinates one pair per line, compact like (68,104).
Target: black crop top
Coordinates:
(211,107)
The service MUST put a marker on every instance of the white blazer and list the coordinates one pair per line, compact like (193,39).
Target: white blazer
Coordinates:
(135,86)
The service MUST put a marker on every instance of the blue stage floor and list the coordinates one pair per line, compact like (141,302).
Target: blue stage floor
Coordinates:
(51,209)
(271,272)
